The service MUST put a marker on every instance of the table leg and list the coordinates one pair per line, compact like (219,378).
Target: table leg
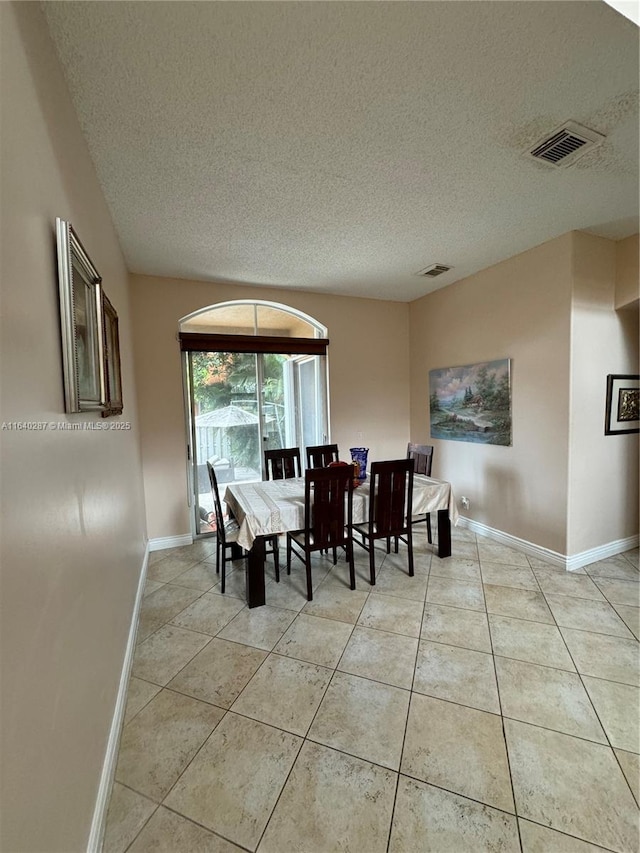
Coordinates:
(444,533)
(255,573)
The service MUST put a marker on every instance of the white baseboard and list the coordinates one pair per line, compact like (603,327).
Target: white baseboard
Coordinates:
(96,835)
(564,561)
(170,542)
(601,552)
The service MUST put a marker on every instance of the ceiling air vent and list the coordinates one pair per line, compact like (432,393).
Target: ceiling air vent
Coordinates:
(565,145)
(434,270)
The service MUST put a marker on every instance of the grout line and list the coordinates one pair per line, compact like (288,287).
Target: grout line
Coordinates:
(139,793)
(535,663)
(133,716)
(395,797)
(512,814)
(147,821)
(589,630)
(606,745)
(206,828)
(195,698)
(351,755)
(597,634)
(566,834)
(284,785)
(502,718)
(615,755)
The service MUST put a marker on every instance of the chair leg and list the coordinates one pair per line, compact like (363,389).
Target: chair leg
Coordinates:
(223,571)
(288,555)
(410,550)
(335,556)
(352,569)
(218,547)
(307,563)
(429,540)
(372,562)
(276,558)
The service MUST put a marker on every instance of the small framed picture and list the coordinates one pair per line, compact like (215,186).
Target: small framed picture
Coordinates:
(623,404)
(111,359)
(81,324)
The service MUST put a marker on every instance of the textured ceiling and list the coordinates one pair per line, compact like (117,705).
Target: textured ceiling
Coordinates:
(343,146)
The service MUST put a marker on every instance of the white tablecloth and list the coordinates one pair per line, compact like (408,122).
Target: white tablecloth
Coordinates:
(275,506)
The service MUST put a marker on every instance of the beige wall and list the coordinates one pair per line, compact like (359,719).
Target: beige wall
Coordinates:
(368,379)
(518,309)
(627,275)
(72,522)
(603,341)
(551,310)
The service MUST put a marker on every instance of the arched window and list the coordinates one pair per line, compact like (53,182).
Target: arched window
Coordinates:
(252,317)
(256,375)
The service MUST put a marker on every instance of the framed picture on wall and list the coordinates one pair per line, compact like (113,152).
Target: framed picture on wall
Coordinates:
(472,402)
(111,359)
(89,326)
(623,404)
(81,324)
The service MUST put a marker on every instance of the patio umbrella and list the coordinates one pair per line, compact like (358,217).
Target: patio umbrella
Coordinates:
(224,420)
(229,416)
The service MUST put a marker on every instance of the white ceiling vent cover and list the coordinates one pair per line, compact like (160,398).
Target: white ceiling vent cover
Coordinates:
(565,145)
(434,270)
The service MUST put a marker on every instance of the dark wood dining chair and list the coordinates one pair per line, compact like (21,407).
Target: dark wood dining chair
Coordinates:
(328,516)
(422,455)
(390,503)
(227,534)
(321,455)
(283,463)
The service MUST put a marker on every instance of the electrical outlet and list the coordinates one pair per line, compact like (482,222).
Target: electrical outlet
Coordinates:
(465,502)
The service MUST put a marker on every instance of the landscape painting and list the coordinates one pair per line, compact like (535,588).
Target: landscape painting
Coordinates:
(472,403)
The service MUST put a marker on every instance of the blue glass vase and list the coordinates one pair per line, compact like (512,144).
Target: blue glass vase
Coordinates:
(359,455)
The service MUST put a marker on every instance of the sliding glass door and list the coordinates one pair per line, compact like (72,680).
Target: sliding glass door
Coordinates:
(239,405)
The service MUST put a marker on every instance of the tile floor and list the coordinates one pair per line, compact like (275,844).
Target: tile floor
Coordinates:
(490,703)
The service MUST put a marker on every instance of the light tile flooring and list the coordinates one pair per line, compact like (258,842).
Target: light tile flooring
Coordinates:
(490,703)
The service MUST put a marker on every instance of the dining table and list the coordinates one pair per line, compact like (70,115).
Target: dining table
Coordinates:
(270,507)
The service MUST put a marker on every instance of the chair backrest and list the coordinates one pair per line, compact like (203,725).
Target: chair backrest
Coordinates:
(327,514)
(217,506)
(422,454)
(282,464)
(321,455)
(391,497)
